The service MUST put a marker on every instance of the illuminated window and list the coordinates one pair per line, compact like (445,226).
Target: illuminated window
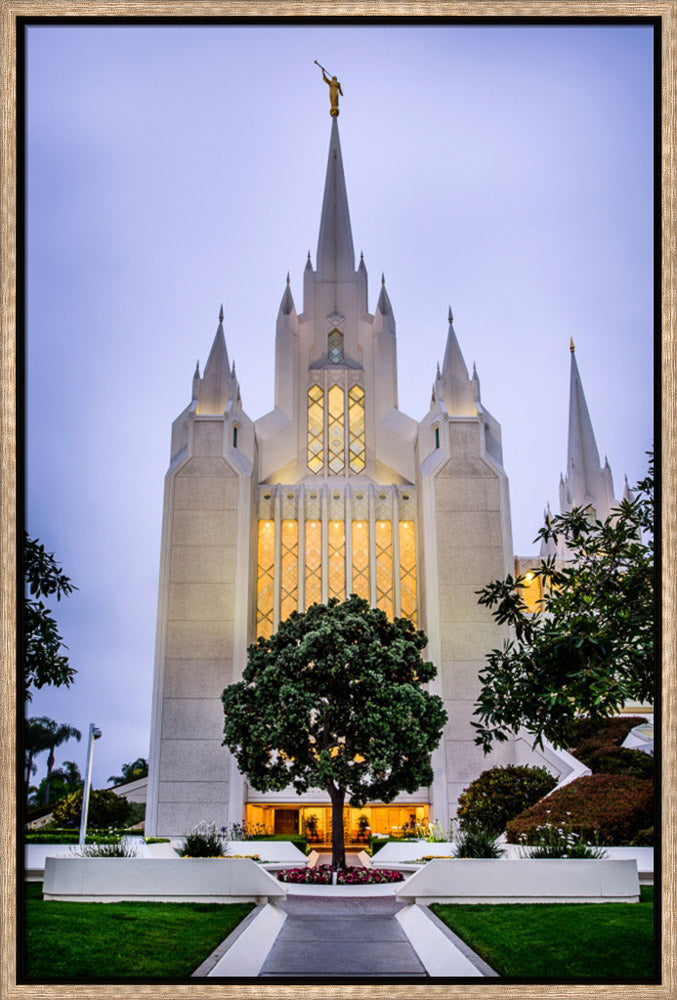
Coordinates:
(315,428)
(265,578)
(313,563)
(289,568)
(356,425)
(336,429)
(407,540)
(360,539)
(335,346)
(337,559)
(384,567)
(532,592)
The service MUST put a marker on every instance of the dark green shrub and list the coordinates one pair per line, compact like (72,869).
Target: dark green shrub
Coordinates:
(605,734)
(603,808)
(105,809)
(204,841)
(620,760)
(643,838)
(477,843)
(500,794)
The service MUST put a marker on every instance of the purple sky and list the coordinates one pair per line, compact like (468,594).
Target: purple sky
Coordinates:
(504,170)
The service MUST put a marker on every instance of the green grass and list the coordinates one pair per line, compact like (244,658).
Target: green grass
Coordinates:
(556,941)
(108,941)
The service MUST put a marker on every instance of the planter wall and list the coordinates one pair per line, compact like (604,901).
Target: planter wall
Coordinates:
(522,881)
(207,880)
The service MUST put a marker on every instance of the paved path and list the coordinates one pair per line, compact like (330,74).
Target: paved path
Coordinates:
(342,938)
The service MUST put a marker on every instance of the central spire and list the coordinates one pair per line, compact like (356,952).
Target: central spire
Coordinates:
(335,253)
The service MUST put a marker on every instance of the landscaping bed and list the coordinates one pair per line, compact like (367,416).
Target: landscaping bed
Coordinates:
(323,875)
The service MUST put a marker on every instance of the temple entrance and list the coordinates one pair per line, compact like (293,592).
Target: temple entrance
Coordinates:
(394,820)
(286,821)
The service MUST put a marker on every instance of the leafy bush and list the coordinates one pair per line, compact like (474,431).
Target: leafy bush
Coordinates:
(105,809)
(474,842)
(561,842)
(500,794)
(594,736)
(204,841)
(620,760)
(611,807)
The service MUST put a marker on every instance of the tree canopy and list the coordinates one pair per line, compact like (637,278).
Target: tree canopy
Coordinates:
(44,661)
(590,647)
(335,700)
(130,772)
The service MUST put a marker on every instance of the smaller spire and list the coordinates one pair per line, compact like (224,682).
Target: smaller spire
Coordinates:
(197,369)
(572,346)
(221,313)
(287,277)
(309,265)
(439,373)
(232,370)
(383,278)
(451,315)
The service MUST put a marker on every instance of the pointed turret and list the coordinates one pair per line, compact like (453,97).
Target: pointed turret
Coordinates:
(196,381)
(456,388)
(287,304)
(475,384)
(384,317)
(335,253)
(586,481)
(218,384)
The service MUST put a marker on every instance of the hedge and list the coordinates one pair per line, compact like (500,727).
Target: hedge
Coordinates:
(611,809)
(500,794)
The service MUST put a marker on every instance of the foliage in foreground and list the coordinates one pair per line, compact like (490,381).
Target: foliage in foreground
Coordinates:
(44,661)
(473,842)
(500,794)
(560,841)
(555,942)
(204,841)
(609,809)
(109,941)
(336,700)
(590,648)
(105,809)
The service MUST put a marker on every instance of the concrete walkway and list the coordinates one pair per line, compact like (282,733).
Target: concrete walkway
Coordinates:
(341,938)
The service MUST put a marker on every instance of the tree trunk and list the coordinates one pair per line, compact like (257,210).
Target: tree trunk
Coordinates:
(50,765)
(338,850)
(29,767)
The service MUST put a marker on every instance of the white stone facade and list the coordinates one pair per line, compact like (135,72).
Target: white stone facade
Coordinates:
(334,491)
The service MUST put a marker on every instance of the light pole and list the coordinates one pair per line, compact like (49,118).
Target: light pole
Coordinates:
(94,734)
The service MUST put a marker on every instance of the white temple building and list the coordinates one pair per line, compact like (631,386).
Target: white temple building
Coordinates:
(334,491)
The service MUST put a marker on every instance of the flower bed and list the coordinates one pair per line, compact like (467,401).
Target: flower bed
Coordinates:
(322,875)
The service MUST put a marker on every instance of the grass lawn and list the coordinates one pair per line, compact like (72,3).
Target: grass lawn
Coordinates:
(556,941)
(104,941)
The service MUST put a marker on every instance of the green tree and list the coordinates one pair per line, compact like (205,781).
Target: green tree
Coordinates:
(131,772)
(55,733)
(44,661)
(105,808)
(36,741)
(63,780)
(335,700)
(590,648)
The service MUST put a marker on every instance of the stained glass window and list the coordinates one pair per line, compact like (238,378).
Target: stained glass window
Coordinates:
(356,425)
(407,539)
(337,559)
(289,568)
(313,563)
(265,578)
(360,539)
(384,567)
(335,346)
(316,428)
(336,430)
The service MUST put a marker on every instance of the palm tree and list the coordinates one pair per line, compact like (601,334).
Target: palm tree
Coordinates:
(36,740)
(131,772)
(58,734)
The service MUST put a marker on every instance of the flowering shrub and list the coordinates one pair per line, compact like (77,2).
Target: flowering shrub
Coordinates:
(602,808)
(500,794)
(322,875)
(203,841)
(122,849)
(561,842)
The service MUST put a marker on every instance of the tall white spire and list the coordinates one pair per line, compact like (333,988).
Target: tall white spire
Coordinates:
(453,384)
(218,384)
(586,481)
(335,252)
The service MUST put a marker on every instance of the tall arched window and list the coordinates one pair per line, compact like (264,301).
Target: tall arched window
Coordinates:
(335,346)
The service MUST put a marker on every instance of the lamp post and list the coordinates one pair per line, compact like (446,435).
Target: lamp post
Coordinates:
(94,734)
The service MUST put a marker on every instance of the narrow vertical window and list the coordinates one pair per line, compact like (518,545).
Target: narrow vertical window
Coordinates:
(315,428)
(360,540)
(384,567)
(337,559)
(437,437)
(357,431)
(289,568)
(313,563)
(336,430)
(265,579)
(407,537)
(234,435)
(335,346)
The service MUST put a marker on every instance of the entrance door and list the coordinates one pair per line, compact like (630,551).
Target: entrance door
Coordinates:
(286,821)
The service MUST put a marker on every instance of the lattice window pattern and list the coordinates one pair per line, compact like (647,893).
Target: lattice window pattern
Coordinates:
(315,428)
(335,346)
(357,428)
(360,540)
(407,538)
(313,563)
(289,568)
(265,579)
(336,429)
(384,567)
(337,559)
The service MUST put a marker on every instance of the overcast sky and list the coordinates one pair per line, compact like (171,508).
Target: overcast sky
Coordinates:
(503,170)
